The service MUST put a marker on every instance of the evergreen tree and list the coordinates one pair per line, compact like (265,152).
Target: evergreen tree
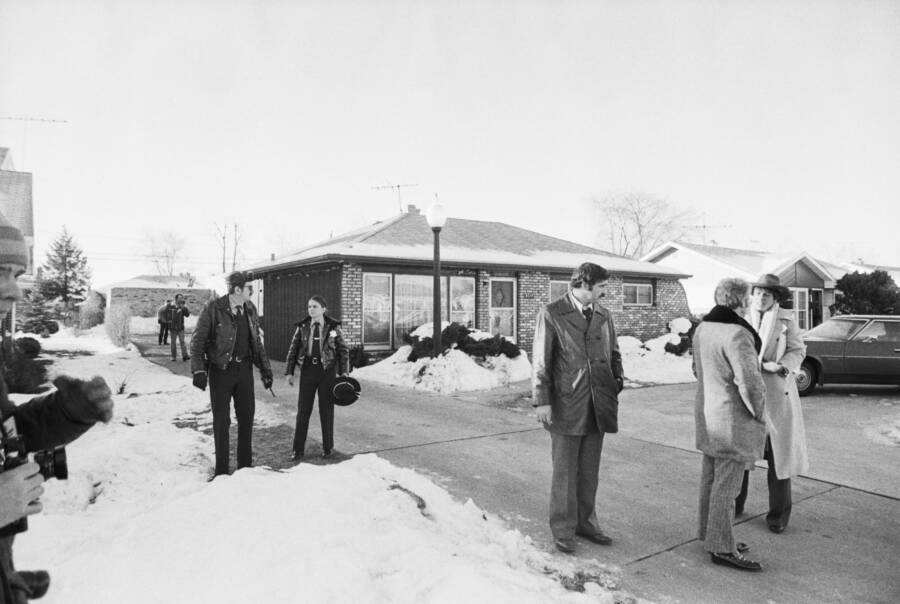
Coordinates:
(65,274)
(872,293)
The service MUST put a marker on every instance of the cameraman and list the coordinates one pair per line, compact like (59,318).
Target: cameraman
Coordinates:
(44,422)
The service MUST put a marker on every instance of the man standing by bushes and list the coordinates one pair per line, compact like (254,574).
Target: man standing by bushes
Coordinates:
(577,377)
(162,317)
(44,422)
(176,326)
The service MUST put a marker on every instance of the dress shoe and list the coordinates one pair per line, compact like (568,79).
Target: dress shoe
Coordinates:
(38,582)
(741,547)
(735,561)
(326,454)
(776,528)
(599,538)
(187,358)
(565,544)
(296,456)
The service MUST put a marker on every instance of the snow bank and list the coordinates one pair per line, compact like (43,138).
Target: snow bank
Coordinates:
(148,326)
(92,340)
(450,372)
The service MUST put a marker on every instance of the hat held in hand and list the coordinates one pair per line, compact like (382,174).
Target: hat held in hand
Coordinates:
(345,391)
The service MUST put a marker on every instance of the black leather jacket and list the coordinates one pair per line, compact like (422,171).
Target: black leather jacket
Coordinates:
(213,339)
(334,349)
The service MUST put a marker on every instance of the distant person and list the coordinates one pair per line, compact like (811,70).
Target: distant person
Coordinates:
(176,326)
(729,414)
(226,344)
(782,353)
(576,380)
(162,317)
(319,350)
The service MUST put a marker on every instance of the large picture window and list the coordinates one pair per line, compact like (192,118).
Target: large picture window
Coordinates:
(503,307)
(462,301)
(413,303)
(377,310)
(637,294)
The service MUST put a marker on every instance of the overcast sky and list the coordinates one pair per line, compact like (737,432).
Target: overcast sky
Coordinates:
(776,120)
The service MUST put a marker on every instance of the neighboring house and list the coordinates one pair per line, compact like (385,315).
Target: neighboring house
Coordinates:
(379,280)
(144,294)
(810,280)
(17,205)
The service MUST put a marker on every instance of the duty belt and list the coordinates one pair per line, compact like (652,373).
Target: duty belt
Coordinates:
(314,360)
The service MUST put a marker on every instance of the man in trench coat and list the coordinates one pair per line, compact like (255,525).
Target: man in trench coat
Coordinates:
(577,376)
(729,414)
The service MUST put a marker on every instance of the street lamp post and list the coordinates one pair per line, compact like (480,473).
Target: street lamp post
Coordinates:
(436,218)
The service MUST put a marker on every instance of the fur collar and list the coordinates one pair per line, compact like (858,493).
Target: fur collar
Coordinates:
(723,314)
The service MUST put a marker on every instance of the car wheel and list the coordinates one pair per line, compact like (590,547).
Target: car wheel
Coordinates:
(806,379)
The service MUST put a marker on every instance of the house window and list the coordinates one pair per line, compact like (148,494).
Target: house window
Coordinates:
(376,310)
(502,310)
(413,303)
(801,306)
(558,289)
(637,294)
(462,301)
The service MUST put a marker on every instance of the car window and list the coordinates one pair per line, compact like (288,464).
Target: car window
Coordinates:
(881,331)
(836,329)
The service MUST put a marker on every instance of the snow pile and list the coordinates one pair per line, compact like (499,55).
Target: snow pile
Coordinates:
(147,326)
(447,373)
(138,522)
(659,344)
(426,329)
(680,325)
(92,340)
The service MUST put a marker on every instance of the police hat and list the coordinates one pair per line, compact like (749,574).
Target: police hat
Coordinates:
(345,391)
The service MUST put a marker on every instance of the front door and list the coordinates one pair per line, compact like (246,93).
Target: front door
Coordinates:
(815,307)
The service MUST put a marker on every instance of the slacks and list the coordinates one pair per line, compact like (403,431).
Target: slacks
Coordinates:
(315,379)
(236,382)
(573,490)
(178,334)
(779,492)
(720,481)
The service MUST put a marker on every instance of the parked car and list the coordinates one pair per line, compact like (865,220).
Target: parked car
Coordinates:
(851,349)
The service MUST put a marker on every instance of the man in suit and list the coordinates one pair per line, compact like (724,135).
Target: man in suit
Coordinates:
(577,376)
(729,417)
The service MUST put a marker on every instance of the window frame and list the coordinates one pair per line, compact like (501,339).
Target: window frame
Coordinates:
(514,307)
(637,284)
(379,346)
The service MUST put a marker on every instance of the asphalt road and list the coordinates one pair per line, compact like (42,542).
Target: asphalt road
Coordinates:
(842,545)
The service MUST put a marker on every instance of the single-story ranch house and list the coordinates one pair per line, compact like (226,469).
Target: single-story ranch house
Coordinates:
(378,280)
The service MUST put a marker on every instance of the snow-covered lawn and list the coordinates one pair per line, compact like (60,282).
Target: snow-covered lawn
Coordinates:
(148,325)
(137,520)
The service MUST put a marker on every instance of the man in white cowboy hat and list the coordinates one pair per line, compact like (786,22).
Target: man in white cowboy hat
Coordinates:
(780,358)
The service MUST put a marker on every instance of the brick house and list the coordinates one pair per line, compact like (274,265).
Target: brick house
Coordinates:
(379,280)
(16,204)
(144,294)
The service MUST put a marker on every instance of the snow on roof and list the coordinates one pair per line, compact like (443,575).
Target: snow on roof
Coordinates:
(153,282)
(408,237)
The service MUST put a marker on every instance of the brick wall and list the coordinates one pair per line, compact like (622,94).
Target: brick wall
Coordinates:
(533,292)
(144,302)
(482,292)
(351,303)
(646,322)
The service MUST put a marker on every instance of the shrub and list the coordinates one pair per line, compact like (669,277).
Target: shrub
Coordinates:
(456,335)
(92,312)
(51,326)
(29,347)
(118,325)
(358,358)
(22,373)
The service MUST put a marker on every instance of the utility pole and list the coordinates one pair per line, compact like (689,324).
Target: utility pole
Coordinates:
(25,121)
(703,227)
(398,187)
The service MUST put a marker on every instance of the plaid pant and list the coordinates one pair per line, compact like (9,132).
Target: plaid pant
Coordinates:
(720,482)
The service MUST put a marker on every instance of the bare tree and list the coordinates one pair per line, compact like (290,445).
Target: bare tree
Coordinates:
(634,223)
(222,240)
(165,249)
(236,239)
(189,277)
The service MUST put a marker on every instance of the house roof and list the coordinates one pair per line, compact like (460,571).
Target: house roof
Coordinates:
(407,237)
(753,263)
(4,151)
(15,200)
(151,282)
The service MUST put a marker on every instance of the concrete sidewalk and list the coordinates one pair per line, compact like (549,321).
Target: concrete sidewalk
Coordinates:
(843,543)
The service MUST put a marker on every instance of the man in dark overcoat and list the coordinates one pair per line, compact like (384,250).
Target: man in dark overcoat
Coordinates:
(577,376)
(729,416)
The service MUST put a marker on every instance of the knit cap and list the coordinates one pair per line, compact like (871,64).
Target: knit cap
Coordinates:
(12,244)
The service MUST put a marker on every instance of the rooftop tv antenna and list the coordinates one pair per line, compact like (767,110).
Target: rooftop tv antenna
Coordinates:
(25,121)
(398,187)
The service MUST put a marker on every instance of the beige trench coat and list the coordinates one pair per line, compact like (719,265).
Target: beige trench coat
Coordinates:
(781,343)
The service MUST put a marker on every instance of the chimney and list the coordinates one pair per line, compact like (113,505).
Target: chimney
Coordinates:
(412,209)
(272,256)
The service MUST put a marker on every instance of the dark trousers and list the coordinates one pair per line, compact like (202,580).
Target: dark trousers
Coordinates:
(163,333)
(779,492)
(234,382)
(178,336)
(314,378)
(573,490)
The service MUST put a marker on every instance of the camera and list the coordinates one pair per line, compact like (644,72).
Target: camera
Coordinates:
(13,453)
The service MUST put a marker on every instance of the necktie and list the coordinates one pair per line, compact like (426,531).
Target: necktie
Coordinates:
(588,313)
(238,311)
(316,349)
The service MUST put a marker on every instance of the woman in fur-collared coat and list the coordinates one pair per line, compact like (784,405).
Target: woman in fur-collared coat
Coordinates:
(782,353)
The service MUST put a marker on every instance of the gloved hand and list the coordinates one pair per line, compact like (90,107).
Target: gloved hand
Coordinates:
(200,380)
(289,378)
(620,382)
(85,402)
(267,379)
